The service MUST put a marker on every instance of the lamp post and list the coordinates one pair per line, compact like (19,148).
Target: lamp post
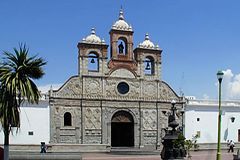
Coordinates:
(172,120)
(219,77)
(182,113)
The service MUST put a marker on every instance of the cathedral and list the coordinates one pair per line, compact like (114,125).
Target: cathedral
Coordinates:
(117,101)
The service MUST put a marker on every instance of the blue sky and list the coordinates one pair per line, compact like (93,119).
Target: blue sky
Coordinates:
(198,38)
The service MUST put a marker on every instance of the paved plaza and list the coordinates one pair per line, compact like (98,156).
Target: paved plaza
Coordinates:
(198,155)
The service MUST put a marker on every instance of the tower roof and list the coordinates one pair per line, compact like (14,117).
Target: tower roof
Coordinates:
(121,24)
(93,38)
(147,44)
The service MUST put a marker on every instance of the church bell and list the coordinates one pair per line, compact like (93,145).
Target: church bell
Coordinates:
(92,60)
(148,66)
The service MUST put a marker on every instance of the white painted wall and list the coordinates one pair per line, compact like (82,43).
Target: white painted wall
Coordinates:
(207,111)
(33,118)
(36,118)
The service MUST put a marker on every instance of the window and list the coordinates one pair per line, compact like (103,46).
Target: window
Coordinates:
(123,88)
(30,133)
(149,65)
(67,119)
(93,62)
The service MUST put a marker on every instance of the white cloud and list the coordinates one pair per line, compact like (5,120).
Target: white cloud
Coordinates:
(46,88)
(231,85)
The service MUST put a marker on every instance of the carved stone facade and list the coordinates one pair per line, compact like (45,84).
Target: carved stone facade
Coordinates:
(119,94)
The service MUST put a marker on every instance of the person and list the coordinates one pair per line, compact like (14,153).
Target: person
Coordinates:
(231,146)
(43,147)
(228,145)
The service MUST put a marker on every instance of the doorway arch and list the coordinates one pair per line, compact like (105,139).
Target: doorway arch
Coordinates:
(122,129)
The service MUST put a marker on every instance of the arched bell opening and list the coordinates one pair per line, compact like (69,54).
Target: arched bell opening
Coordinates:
(93,62)
(122,46)
(149,65)
(122,129)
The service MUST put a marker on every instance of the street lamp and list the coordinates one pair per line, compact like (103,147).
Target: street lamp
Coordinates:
(171,119)
(182,113)
(219,77)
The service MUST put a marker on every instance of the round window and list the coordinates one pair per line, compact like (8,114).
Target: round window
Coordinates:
(123,87)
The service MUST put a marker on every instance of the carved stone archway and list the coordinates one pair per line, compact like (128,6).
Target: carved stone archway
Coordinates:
(122,129)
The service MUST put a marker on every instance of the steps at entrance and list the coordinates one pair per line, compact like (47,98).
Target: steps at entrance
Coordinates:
(133,151)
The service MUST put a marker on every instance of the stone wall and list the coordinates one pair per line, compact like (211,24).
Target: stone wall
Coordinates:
(92,102)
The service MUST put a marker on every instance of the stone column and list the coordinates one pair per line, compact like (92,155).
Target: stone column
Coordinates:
(140,127)
(104,127)
(109,134)
(58,134)
(77,134)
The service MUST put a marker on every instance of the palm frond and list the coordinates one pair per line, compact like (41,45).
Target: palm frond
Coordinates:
(17,71)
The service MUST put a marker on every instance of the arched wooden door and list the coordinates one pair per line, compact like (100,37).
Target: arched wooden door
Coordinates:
(122,130)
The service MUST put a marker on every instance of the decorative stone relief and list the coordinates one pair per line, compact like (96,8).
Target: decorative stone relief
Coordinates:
(110,88)
(166,93)
(92,140)
(67,139)
(150,133)
(92,118)
(134,89)
(149,89)
(93,86)
(72,88)
(54,138)
(149,119)
(77,113)
(149,140)
(150,137)
(67,132)
(93,132)
(107,114)
(91,103)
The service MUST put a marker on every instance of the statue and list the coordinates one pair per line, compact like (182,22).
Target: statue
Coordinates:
(120,47)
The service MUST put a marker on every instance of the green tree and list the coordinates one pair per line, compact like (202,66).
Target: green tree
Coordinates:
(189,144)
(17,72)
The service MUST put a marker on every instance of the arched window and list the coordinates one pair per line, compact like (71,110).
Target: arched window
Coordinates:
(149,65)
(67,119)
(93,62)
(122,46)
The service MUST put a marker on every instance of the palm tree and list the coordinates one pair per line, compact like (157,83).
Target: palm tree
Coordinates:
(17,72)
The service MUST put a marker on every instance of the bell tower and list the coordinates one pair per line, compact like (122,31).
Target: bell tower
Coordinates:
(121,42)
(148,57)
(92,55)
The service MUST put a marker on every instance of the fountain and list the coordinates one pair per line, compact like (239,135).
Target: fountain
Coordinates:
(173,141)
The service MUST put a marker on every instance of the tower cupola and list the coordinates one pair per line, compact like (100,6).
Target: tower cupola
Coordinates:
(148,44)
(121,24)
(93,38)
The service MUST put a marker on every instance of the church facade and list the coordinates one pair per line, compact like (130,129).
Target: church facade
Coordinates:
(116,101)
